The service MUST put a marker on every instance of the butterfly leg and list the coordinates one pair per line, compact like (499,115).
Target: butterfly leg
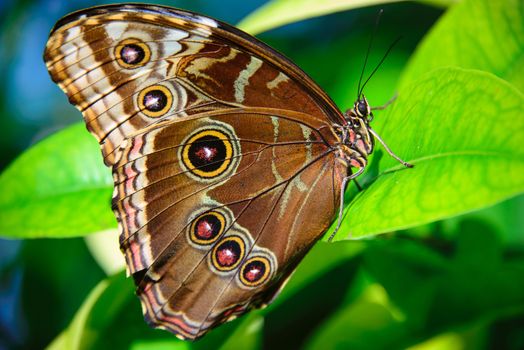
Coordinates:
(341,208)
(386,105)
(390,152)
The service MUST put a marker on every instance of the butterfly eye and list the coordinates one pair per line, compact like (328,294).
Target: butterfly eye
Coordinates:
(255,271)
(154,101)
(208,153)
(228,253)
(132,53)
(362,108)
(207,228)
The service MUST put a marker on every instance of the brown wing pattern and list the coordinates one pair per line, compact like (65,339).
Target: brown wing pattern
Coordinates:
(276,197)
(104,58)
(223,154)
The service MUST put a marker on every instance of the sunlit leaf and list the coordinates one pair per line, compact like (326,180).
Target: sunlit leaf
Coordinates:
(466,156)
(105,249)
(277,13)
(58,188)
(247,336)
(110,318)
(80,333)
(484,35)
(364,324)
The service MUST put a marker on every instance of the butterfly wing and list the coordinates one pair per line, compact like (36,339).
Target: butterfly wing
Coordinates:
(222,151)
(205,249)
(129,66)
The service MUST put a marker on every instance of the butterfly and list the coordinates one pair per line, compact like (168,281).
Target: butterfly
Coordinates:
(228,161)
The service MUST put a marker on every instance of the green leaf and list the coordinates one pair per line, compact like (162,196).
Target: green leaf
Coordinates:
(505,217)
(47,268)
(462,129)
(105,249)
(100,307)
(421,288)
(111,308)
(160,344)
(448,341)
(321,259)
(248,335)
(478,281)
(364,324)
(110,318)
(416,265)
(277,13)
(440,3)
(58,188)
(484,35)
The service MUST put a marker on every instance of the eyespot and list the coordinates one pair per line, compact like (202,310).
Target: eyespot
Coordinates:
(255,271)
(228,253)
(208,153)
(207,228)
(132,53)
(155,100)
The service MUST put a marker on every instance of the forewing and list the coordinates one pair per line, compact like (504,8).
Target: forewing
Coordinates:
(114,63)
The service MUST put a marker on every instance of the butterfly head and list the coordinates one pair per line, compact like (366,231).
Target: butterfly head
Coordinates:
(357,134)
(362,109)
(359,138)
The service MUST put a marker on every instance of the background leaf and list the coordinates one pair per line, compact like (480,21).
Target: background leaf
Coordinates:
(484,35)
(55,277)
(111,308)
(277,13)
(505,218)
(421,287)
(465,155)
(248,335)
(362,324)
(319,261)
(100,308)
(72,336)
(58,188)
(105,248)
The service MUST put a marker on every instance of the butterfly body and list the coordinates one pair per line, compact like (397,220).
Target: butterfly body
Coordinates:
(229,162)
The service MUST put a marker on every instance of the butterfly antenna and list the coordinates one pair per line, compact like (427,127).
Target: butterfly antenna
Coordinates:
(359,91)
(380,63)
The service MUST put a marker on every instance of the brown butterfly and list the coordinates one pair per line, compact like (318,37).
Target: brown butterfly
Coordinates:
(229,162)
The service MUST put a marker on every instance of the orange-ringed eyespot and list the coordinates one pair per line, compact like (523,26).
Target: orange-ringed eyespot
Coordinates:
(255,271)
(208,153)
(207,227)
(228,253)
(155,100)
(132,53)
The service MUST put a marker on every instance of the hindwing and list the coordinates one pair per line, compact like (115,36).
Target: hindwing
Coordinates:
(223,155)
(203,249)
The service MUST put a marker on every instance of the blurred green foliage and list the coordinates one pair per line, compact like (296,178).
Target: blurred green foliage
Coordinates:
(441,281)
